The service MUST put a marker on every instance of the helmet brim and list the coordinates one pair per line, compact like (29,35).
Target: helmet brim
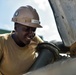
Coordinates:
(35,25)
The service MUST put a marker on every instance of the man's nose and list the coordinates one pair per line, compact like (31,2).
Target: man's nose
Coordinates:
(32,34)
(31,31)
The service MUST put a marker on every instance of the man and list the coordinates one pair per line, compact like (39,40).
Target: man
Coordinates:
(18,49)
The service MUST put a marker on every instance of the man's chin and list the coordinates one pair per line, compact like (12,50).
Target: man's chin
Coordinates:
(26,43)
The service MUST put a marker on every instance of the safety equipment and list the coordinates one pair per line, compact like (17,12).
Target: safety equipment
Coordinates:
(28,16)
(54,49)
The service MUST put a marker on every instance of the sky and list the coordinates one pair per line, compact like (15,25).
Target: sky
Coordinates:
(49,30)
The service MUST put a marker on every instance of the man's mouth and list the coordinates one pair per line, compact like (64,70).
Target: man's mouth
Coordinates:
(30,36)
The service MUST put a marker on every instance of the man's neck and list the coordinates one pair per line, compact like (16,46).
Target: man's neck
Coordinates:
(17,41)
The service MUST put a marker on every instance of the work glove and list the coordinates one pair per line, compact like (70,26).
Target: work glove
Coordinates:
(73,50)
(49,46)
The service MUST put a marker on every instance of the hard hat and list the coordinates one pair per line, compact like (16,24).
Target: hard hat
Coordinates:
(28,16)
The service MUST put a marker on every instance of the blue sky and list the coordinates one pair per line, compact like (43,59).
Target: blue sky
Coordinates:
(49,30)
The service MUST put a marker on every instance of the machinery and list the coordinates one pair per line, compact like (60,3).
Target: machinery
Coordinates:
(65,16)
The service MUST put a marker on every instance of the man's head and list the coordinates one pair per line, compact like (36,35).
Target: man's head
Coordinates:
(24,34)
(26,21)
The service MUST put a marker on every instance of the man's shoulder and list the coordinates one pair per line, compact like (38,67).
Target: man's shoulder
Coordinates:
(4,36)
(38,39)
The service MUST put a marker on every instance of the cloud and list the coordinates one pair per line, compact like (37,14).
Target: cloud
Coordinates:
(7,26)
(42,4)
(49,33)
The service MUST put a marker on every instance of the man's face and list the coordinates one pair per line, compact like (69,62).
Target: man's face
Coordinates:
(24,33)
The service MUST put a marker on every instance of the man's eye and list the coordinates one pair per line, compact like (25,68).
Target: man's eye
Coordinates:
(27,29)
(34,29)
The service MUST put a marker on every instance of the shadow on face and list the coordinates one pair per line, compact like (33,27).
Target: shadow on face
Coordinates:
(24,33)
